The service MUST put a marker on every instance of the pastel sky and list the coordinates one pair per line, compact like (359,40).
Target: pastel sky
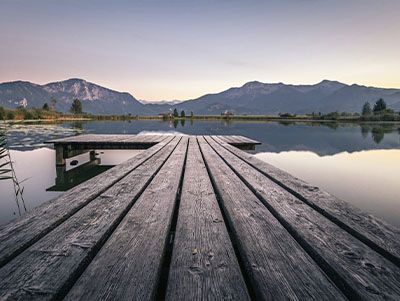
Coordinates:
(165,50)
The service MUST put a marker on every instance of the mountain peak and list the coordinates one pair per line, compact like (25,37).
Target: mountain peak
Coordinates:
(329,82)
(326,81)
(253,84)
(74,79)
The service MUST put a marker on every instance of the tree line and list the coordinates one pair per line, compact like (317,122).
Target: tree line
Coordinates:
(175,114)
(379,106)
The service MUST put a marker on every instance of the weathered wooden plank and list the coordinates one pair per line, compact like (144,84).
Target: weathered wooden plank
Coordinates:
(128,265)
(277,266)
(224,138)
(138,138)
(132,141)
(246,140)
(377,234)
(152,138)
(203,265)
(117,138)
(238,140)
(23,232)
(45,270)
(108,138)
(233,139)
(158,138)
(72,138)
(91,138)
(370,275)
(106,142)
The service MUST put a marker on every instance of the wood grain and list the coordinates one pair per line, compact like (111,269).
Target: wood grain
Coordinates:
(361,269)
(24,231)
(376,233)
(46,269)
(203,265)
(278,268)
(128,265)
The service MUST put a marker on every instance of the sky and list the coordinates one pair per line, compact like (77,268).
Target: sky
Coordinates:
(168,50)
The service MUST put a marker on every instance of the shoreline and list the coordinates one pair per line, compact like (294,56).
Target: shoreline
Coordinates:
(202,118)
(251,118)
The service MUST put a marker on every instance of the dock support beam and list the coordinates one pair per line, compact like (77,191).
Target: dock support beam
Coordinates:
(67,151)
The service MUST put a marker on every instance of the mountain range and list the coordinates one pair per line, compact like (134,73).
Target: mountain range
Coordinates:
(252,98)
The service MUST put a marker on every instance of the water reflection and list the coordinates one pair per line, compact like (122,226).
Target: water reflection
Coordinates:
(29,136)
(378,131)
(367,179)
(67,179)
(321,138)
(44,181)
(77,127)
(90,164)
(37,166)
(36,161)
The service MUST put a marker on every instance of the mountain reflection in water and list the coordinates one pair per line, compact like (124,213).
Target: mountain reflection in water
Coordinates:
(355,162)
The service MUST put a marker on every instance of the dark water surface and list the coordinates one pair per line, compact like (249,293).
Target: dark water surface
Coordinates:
(357,163)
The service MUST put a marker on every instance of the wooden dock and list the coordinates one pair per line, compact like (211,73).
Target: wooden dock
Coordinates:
(194,217)
(72,146)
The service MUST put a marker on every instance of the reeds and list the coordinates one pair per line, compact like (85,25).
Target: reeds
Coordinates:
(7,171)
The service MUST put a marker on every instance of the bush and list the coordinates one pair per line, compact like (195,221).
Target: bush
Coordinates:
(28,115)
(10,115)
(287,115)
(389,117)
(331,116)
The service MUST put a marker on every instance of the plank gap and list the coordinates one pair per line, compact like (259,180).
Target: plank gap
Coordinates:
(232,237)
(73,278)
(7,258)
(343,286)
(166,262)
(383,252)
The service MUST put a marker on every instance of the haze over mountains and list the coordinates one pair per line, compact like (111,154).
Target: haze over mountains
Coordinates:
(252,98)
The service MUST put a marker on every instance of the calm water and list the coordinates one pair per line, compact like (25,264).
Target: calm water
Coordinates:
(359,164)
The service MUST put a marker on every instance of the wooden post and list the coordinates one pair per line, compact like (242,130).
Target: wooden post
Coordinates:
(92,155)
(60,174)
(60,159)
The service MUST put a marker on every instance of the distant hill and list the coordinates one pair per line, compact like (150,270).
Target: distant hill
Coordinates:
(259,98)
(160,102)
(252,98)
(95,99)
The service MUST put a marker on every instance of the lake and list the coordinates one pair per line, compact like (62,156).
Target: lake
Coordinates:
(359,163)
